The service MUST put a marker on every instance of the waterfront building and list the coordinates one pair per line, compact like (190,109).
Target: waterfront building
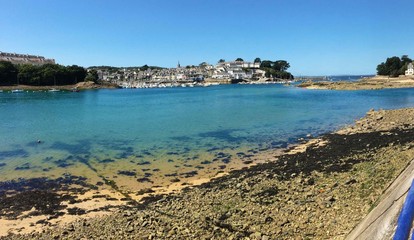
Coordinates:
(16,58)
(410,70)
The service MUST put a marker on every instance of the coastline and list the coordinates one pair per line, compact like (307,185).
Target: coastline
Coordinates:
(79,86)
(320,189)
(373,83)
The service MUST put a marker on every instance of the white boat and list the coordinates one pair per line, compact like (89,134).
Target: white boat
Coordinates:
(17,91)
(54,89)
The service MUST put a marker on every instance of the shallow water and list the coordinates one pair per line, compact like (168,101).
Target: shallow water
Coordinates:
(138,137)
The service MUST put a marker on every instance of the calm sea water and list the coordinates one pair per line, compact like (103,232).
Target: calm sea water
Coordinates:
(136,136)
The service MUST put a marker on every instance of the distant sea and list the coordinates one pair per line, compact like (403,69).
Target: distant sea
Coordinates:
(138,137)
(348,77)
(337,77)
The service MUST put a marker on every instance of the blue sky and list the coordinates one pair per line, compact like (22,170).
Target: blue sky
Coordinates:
(317,37)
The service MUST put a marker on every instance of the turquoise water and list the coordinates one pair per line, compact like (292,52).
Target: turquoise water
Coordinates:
(145,134)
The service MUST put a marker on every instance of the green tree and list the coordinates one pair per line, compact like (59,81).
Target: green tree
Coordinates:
(257,60)
(405,60)
(92,76)
(144,68)
(276,69)
(239,60)
(382,69)
(394,66)
(281,65)
(75,74)
(29,74)
(266,64)
(222,61)
(8,73)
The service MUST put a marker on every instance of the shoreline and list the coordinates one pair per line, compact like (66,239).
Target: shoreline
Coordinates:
(79,86)
(308,191)
(372,83)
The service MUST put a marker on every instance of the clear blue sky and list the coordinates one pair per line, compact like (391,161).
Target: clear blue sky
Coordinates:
(317,37)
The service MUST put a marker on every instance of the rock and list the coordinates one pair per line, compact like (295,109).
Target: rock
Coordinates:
(256,235)
(330,199)
(350,181)
(268,219)
(309,181)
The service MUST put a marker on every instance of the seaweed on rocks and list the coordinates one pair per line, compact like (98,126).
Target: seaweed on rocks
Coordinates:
(62,163)
(107,160)
(127,173)
(324,159)
(144,179)
(14,153)
(76,211)
(145,190)
(144,163)
(41,196)
(25,166)
(189,174)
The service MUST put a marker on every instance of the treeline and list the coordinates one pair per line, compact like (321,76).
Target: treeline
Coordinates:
(276,69)
(394,66)
(44,75)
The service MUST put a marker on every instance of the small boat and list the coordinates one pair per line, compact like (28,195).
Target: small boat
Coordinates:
(17,91)
(75,90)
(54,89)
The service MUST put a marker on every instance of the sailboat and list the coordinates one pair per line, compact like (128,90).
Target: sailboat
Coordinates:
(54,89)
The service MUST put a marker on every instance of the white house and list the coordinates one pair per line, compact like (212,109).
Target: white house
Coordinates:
(410,70)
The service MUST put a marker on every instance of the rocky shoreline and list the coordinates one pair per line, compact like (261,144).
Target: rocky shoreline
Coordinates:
(373,83)
(320,189)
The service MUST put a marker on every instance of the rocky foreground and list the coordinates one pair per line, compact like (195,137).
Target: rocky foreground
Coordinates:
(319,190)
(374,83)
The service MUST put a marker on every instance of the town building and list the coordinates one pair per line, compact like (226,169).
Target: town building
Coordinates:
(410,70)
(25,59)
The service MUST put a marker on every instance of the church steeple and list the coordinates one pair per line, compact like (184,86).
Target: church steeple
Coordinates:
(178,65)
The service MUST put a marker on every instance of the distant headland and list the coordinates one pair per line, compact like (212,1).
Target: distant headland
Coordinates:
(395,72)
